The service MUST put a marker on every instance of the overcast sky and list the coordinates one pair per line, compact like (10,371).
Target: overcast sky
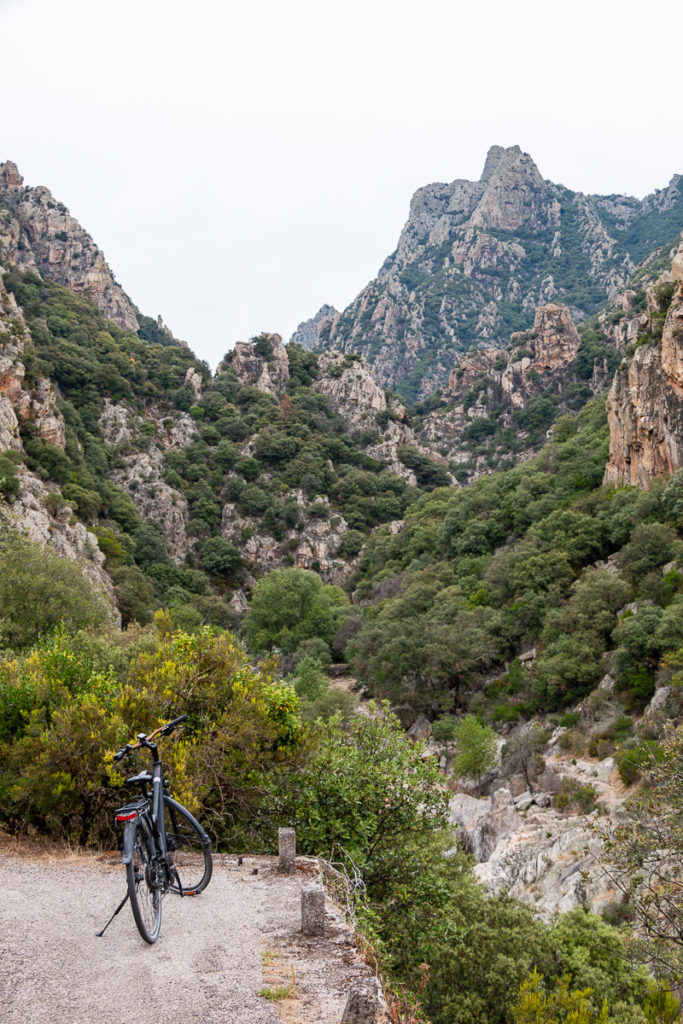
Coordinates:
(241,164)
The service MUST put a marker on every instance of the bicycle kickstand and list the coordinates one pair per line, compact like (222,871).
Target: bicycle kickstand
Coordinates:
(120,907)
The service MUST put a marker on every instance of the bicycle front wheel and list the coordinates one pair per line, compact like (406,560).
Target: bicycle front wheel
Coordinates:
(190,847)
(144,892)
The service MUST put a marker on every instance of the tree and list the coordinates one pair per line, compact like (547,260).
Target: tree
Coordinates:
(560,1006)
(289,606)
(220,558)
(40,589)
(477,747)
(134,595)
(522,752)
(365,794)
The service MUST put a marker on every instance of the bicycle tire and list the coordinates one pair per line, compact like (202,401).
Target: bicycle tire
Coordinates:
(144,892)
(190,847)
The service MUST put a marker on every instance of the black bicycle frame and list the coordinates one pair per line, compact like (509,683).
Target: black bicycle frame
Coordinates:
(141,808)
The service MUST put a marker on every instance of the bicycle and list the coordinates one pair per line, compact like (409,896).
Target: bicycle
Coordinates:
(159,837)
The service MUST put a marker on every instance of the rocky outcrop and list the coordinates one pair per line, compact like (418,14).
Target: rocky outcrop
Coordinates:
(551,345)
(181,432)
(115,424)
(353,393)
(37,233)
(488,387)
(524,846)
(645,404)
(308,331)
(351,390)
(39,511)
(262,364)
(194,379)
(17,401)
(313,544)
(475,257)
(141,478)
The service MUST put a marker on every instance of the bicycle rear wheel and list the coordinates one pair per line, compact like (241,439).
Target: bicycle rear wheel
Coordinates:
(145,894)
(190,847)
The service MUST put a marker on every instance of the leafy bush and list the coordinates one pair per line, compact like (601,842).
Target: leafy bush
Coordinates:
(476,746)
(70,716)
(40,590)
(444,728)
(9,479)
(289,606)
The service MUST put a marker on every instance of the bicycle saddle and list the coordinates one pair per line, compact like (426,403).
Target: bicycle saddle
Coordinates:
(140,777)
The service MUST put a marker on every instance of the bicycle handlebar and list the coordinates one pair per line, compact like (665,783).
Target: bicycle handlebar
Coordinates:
(163,730)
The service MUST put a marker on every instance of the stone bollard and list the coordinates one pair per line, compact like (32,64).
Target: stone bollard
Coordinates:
(364,1002)
(287,850)
(313,910)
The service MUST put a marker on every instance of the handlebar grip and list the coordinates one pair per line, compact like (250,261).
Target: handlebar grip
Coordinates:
(121,753)
(170,726)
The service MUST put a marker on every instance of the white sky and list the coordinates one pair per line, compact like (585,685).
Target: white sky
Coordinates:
(239,165)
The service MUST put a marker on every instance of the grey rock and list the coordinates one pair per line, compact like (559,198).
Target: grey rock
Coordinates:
(40,235)
(421,729)
(308,331)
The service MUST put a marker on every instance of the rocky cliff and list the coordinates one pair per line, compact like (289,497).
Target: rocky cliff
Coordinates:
(356,396)
(645,404)
(262,364)
(38,233)
(500,403)
(307,332)
(476,258)
(37,508)
(20,400)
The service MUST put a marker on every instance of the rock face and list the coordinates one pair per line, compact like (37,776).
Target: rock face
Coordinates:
(313,545)
(30,513)
(476,258)
(18,402)
(645,404)
(353,393)
(37,233)
(523,845)
(142,479)
(489,386)
(307,332)
(266,370)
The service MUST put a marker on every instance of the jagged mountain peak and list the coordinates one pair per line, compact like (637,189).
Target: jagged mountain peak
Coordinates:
(504,156)
(476,258)
(38,234)
(10,178)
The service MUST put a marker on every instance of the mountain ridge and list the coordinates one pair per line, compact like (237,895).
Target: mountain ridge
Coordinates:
(475,259)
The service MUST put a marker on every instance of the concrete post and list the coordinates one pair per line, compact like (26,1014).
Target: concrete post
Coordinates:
(313,910)
(287,850)
(364,1002)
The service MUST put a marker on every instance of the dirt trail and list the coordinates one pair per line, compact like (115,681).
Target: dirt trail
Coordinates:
(206,966)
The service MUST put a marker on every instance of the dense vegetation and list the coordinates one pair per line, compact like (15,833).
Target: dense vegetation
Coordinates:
(352,786)
(479,574)
(435,618)
(281,463)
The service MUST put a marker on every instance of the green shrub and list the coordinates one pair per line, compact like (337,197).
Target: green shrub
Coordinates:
(9,479)
(630,761)
(443,728)
(40,590)
(241,725)
(289,606)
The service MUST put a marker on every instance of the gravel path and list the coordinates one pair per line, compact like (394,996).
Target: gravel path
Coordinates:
(206,965)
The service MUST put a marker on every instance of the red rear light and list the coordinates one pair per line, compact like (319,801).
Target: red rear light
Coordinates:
(127,816)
